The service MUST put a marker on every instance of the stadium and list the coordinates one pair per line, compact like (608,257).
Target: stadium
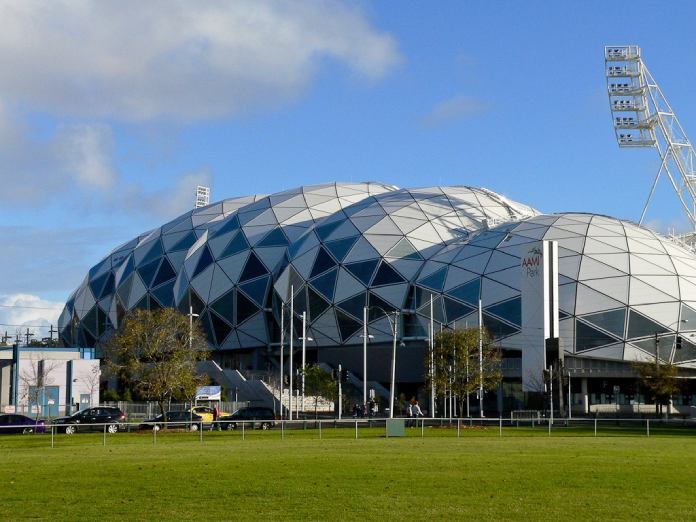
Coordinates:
(442,257)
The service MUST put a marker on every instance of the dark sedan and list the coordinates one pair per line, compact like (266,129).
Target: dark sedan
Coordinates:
(173,420)
(92,419)
(14,423)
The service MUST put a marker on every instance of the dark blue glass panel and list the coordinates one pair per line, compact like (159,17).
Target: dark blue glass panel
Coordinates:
(108,286)
(130,265)
(96,285)
(275,238)
(436,280)
(236,245)
(347,326)
(354,306)
(203,262)
(455,309)
(231,224)
(468,292)
(252,269)
(496,327)
(154,253)
(225,306)
(323,231)
(256,289)
(641,326)
(510,310)
(164,294)
(220,327)
(245,308)
(378,307)
(317,305)
(587,337)
(611,321)
(147,272)
(341,247)
(185,242)
(165,273)
(386,275)
(326,284)
(322,263)
(363,270)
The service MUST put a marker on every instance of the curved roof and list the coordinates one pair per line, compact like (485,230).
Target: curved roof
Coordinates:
(138,273)
(368,253)
(619,285)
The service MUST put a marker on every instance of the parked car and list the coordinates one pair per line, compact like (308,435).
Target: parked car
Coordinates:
(92,419)
(14,423)
(263,418)
(204,411)
(181,419)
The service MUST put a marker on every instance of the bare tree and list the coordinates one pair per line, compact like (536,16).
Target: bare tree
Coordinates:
(92,379)
(34,379)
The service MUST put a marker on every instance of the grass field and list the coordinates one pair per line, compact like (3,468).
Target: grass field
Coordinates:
(523,475)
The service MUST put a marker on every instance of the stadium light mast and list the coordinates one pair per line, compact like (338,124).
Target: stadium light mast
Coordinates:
(643,117)
(202,196)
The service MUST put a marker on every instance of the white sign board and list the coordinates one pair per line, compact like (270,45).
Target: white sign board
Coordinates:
(208,393)
(539,287)
(10,408)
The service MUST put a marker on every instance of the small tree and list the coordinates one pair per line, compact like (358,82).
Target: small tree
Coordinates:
(456,363)
(34,379)
(155,353)
(659,380)
(319,383)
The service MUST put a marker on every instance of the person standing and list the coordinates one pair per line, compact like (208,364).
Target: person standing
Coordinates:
(409,412)
(216,416)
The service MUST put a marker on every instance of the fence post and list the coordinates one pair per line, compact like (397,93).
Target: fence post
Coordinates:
(595,427)
(319,430)
(500,426)
(52,431)
(422,427)
(242,430)
(458,428)
(356,429)
(200,429)
(549,426)
(647,425)
(282,430)
(104,443)
(154,434)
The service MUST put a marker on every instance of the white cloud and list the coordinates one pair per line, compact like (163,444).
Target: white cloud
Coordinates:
(21,311)
(453,109)
(134,60)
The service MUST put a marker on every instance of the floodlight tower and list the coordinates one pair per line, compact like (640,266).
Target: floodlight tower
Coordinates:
(643,117)
(202,196)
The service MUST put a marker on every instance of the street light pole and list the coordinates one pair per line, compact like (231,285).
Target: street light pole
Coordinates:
(364,376)
(304,356)
(282,351)
(432,360)
(480,332)
(191,316)
(292,336)
(393,366)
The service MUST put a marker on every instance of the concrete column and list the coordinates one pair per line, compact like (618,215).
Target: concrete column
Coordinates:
(585,397)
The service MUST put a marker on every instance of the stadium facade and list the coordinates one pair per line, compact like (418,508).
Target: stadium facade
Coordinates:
(445,256)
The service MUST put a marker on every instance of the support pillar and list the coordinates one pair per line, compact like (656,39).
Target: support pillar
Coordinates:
(585,396)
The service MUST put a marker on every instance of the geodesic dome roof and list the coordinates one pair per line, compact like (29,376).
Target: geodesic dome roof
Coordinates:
(228,272)
(137,274)
(368,253)
(619,285)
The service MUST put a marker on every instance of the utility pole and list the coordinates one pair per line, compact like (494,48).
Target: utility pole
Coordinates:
(432,360)
(51,331)
(28,336)
(282,350)
(292,338)
(480,333)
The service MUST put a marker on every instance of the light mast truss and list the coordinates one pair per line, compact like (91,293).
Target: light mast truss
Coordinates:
(643,117)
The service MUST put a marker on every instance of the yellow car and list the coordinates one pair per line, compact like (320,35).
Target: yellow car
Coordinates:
(203,411)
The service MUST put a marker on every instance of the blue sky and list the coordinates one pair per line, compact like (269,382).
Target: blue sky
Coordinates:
(113,114)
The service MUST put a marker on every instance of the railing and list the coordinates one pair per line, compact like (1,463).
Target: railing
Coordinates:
(352,428)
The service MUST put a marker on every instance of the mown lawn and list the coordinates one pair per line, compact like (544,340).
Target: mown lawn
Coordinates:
(523,475)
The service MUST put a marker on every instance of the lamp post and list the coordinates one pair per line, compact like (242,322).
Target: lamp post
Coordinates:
(657,355)
(191,315)
(304,339)
(365,337)
(395,330)
(282,351)
(292,346)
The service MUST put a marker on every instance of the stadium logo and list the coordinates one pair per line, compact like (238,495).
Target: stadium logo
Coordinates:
(531,263)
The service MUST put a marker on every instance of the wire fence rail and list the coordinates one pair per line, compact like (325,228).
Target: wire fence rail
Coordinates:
(221,430)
